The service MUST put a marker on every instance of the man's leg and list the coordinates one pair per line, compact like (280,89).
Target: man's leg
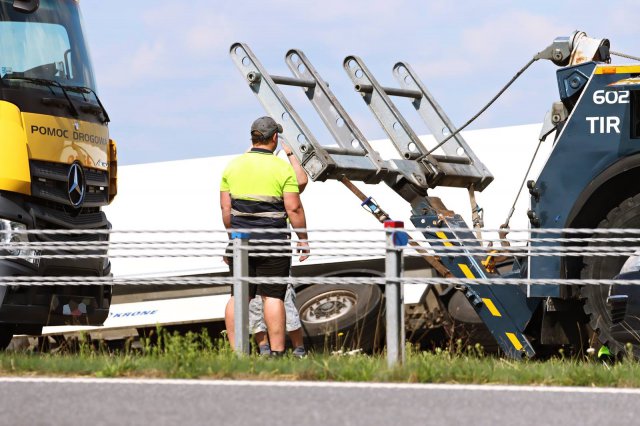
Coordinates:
(297,338)
(229,317)
(229,322)
(257,326)
(273,298)
(274,317)
(262,341)
(294,326)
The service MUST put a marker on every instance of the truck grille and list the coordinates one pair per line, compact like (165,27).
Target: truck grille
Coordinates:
(46,218)
(49,181)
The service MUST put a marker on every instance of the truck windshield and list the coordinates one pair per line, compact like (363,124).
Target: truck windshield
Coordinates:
(47,43)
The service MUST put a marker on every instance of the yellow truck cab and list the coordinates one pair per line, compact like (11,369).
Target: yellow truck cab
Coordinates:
(57,167)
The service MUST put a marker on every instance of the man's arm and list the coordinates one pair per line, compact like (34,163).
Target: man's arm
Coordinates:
(225,206)
(295,211)
(301,175)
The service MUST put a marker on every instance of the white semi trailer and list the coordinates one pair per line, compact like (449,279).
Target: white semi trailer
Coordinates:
(183,195)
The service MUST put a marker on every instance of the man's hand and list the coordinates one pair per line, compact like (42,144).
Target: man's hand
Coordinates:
(303,248)
(504,231)
(286,148)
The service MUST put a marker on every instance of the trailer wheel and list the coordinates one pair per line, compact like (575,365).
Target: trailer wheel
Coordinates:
(626,215)
(6,334)
(338,317)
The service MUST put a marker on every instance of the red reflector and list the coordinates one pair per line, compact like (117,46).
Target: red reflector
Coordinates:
(393,224)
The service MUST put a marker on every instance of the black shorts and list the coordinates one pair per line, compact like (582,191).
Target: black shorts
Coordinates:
(271,266)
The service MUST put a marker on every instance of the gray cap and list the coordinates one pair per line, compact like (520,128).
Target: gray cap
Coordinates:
(264,128)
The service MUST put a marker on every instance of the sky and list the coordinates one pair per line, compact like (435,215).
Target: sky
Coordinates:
(165,75)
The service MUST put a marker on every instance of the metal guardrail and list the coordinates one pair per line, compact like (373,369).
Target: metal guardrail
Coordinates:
(339,243)
(396,243)
(330,244)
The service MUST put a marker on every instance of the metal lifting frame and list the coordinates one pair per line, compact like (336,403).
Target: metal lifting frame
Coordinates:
(459,167)
(504,309)
(354,158)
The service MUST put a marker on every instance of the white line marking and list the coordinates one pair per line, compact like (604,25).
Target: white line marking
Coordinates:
(344,385)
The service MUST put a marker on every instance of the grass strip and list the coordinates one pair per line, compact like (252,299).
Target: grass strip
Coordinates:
(196,356)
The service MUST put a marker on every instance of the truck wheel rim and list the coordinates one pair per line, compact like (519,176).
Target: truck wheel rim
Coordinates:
(328,306)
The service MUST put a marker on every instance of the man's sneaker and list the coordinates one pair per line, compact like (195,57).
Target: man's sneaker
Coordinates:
(299,352)
(265,350)
(277,354)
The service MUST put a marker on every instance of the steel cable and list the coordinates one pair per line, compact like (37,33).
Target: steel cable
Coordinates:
(624,55)
(75,281)
(483,109)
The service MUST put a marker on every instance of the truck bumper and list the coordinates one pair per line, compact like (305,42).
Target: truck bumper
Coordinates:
(54,305)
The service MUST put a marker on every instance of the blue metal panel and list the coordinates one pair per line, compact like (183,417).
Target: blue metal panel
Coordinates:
(573,79)
(596,135)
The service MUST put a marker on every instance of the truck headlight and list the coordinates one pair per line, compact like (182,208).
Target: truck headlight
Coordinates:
(14,241)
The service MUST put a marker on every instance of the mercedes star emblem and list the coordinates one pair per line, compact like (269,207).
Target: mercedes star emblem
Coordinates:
(76,185)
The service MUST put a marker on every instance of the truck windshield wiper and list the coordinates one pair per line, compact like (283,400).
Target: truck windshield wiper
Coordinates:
(48,83)
(83,89)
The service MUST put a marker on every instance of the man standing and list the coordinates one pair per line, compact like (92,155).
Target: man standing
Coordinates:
(259,190)
(293,324)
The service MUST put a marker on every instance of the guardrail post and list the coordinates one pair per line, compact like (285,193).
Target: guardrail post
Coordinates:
(241,291)
(393,292)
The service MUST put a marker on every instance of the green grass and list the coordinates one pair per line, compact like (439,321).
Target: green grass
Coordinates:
(196,356)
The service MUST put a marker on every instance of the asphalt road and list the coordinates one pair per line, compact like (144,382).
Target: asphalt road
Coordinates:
(198,402)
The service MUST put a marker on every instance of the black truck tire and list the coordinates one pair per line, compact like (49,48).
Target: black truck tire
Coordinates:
(341,317)
(626,215)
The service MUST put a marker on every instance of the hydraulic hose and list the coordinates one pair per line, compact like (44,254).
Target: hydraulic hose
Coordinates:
(495,98)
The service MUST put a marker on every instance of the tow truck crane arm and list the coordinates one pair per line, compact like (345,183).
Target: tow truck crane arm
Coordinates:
(505,310)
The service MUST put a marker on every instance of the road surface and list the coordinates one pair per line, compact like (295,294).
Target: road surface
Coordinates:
(35,401)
